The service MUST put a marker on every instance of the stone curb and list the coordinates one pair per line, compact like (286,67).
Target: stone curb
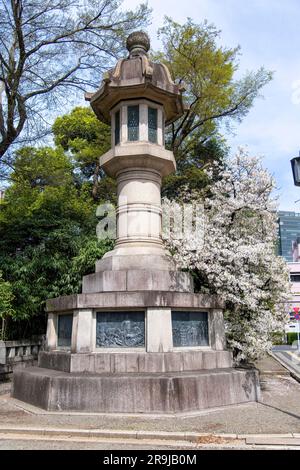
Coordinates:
(291,371)
(290,441)
(279,439)
(108,433)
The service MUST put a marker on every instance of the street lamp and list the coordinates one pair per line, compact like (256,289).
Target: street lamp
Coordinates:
(295,162)
(297,317)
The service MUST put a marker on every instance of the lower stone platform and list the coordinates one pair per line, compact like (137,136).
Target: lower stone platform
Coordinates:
(135,393)
(135,362)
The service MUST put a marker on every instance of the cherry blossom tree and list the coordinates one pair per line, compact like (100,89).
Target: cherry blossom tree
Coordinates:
(235,256)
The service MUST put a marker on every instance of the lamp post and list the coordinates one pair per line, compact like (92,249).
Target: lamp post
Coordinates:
(295,162)
(297,317)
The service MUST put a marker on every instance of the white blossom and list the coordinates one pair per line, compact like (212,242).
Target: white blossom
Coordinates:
(237,258)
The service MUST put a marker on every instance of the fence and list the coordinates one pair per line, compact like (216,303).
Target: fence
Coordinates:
(18,354)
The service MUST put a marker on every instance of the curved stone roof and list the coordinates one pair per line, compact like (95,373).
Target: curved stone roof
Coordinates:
(137,77)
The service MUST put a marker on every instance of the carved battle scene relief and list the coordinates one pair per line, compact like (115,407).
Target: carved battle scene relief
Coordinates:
(120,329)
(189,329)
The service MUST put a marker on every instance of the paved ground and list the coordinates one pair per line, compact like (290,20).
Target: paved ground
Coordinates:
(289,356)
(268,366)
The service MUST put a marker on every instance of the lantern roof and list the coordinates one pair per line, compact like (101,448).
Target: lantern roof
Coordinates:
(137,77)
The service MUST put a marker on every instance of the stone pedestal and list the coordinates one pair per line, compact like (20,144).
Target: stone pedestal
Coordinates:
(166,393)
(155,378)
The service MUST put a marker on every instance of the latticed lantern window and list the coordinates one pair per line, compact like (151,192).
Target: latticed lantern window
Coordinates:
(133,119)
(152,125)
(117,128)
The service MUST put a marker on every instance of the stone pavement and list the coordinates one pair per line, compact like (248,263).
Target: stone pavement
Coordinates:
(268,366)
(290,359)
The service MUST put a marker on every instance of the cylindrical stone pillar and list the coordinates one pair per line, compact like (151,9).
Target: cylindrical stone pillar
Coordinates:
(139,208)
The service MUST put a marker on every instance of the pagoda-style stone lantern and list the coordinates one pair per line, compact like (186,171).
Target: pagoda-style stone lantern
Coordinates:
(138,339)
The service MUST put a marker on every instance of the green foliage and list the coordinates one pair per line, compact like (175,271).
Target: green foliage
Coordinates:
(277,338)
(291,338)
(6,298)
(48,227)
(191,168)
(41,199)
(86,138)
(6,304)
(53,268)
(83,263)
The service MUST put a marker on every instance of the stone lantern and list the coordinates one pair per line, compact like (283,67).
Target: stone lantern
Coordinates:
(137,339)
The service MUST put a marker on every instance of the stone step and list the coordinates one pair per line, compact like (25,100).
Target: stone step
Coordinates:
(137,280)
(135,362)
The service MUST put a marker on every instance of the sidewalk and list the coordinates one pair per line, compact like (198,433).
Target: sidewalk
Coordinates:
(80,438)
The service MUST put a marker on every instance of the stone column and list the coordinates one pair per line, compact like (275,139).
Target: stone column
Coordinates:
(139,208)
(123,124)
(160,130)
(217,330)
(51,336)
(2,353)
(82,341)
(159,330)
(143,128)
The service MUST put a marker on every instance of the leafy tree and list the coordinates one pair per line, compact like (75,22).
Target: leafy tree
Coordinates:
(6,301)
(86,138)
(191,172)
(42,198)
(48,237)
(235,257)
(52,50)
(213,96)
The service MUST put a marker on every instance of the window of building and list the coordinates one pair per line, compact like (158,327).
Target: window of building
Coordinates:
(295,277)
(117,127)
(133,119)
(64,330)
(152,125)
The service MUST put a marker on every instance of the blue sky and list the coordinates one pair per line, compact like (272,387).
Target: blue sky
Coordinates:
(269,34)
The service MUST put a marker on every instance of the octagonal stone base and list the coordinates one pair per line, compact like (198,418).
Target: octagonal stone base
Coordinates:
(173,392)
(158,378)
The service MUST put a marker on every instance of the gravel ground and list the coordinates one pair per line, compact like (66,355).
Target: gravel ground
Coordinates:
(5,387)
(278,412)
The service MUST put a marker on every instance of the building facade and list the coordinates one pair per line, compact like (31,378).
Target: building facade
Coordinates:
(289,249)
(289,235)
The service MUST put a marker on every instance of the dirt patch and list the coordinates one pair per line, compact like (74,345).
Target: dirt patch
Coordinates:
(12,414)
(212,439)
